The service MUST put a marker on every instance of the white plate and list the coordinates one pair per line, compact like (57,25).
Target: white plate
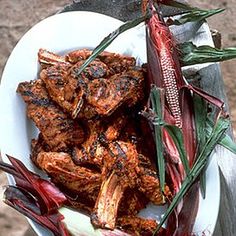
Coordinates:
(61,33)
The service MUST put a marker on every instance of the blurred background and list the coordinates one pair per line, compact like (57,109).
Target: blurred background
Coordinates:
(18,16)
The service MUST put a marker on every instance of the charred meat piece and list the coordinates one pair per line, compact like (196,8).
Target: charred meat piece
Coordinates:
(37,146)
(57,129)
(137,226)
(119,173)
(132,202)
(149,182)
(47,58)
(79,180)
(116,62)
(67,88)
(104,96)
(91,151)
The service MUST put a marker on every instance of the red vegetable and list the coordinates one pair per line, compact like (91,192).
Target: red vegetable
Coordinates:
(35,197)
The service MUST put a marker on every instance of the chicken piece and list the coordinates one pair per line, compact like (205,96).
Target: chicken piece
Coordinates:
(116,62)
(79,180)
(91,151)
(120,171)
(47,58)
(57,129)
(137,226)
(104,96)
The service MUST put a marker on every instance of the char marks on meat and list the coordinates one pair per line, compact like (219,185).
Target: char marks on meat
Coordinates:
(92,143)
(59,131)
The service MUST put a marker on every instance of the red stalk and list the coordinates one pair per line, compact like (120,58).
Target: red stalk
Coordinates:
(164,71)
(49,196)
(35,197)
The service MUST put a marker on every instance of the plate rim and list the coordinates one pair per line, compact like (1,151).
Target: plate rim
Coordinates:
(3,82)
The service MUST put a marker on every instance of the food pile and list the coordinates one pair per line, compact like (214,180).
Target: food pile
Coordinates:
(93,143)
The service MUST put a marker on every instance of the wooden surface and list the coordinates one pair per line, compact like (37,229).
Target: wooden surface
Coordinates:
(211,81)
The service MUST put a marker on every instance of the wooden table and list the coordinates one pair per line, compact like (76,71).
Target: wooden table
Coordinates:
(211,80)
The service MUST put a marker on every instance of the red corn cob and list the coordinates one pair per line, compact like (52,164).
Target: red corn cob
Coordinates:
(164,71)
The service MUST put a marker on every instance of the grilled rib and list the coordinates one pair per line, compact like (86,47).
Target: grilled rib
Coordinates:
(116,62)
(57,129)
(91,151)
(79,180)
(119,172)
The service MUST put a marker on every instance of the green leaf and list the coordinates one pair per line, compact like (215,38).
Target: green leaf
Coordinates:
(215,137)
(156,101)
(177,136)
(200,114)
(203,184)
(191,54)
(228,143)
(176,4)
(110,38)
(194,15)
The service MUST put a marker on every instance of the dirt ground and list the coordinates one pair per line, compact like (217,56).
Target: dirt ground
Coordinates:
(17,16)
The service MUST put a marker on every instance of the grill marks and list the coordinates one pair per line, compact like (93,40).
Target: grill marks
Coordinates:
(58,130)
(100,89)
(96,168)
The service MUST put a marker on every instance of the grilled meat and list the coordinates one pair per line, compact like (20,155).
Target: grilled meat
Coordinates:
(106,171)
(79,180)
(37,146)
(132,202)
(104,96)
(47,58)
(137,226)
(57,129)
(149,182)
(67,88)
(90,94)
(116,62)
(124,168)
(91,151)
(119,172)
